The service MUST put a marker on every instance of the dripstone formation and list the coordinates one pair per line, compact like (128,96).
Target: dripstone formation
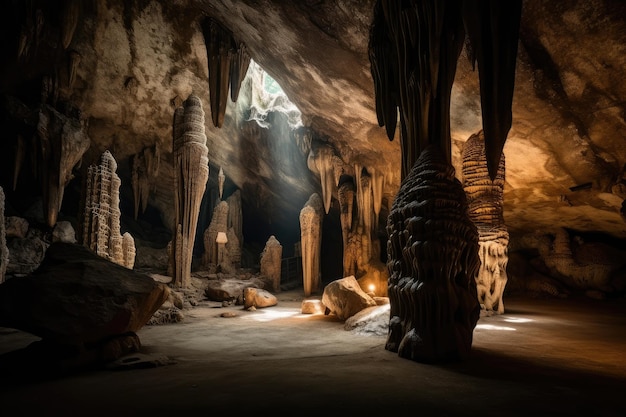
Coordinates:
(485,200)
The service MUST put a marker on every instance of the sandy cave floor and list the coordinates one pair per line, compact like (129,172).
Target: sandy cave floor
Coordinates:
(543,357)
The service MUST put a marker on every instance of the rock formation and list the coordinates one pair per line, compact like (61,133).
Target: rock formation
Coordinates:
(485,201)
(235,216)
(101,215)
(145,169)
(311,243)
(271,259)
(433,261)
(219,224)
(432,248)
(81,305)
(4,251)
(220,179)
(191,167)
(344,298)
(62,141)
(258,298)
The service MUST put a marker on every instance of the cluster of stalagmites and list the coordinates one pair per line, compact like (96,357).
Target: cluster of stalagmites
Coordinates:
(485,200)
(432,263)
(101,215)
(359,192)
(191,170)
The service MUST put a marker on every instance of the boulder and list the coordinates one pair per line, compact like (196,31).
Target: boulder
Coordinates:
(16,227)
(344,298)
(258,298)
(312,306)
(63,232)
(230,289)
(78,298)
(373,321)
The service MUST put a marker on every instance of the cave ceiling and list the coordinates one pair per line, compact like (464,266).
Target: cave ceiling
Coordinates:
(565,153)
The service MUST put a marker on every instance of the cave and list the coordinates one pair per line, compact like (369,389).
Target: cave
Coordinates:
(247,161)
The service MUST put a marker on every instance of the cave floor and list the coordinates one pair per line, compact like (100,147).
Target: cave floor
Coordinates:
(543,357)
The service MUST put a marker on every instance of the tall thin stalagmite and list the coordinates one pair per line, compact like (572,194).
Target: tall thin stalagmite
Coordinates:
(311,243)
(191,167)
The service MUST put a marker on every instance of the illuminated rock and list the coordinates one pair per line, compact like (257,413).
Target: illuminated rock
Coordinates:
(191,167)
(258,298)
(344,298)
(432,261)
(101,214)
(311,243)
(271,259)
(220,179)
(485,202)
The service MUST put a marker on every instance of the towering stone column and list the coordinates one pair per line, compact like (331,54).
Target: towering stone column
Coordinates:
(191,167)
(101,216)
(432,263)
(485,199)
(311,243)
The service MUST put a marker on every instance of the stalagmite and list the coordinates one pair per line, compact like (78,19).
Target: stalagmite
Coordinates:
(311,242)
(271,258)
(4,251)
(433,261)
(235,215)
(101,215)
(433,245)
(129,251)
(220,179)
(73,61)
(345,195)
(485,201)
(321,161)
(219,224)
(61,144)
(191,167)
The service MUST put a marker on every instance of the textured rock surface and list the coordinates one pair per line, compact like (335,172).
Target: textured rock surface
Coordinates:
(344,298)
(138,61)
(76,297)
(271,262)
(258,298)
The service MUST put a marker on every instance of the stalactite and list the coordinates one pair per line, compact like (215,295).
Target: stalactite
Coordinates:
(320,161)
(20,155)
(378,183)
(191,167)
(366,209)
(220,180)
(4,251)
(61,143)
(485,208)
(69,19)
(101,215)
(73,61)
(218,42)
(432,262)
(144,171)
(235,215)
(238,70)
(310,243)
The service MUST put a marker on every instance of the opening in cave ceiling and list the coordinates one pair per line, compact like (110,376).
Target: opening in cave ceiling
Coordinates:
(268,96)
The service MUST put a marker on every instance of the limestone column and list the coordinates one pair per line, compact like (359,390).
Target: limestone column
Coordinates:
(191,167)
(311,243)
(485,199)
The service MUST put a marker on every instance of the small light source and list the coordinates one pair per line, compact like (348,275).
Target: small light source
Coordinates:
(372,287)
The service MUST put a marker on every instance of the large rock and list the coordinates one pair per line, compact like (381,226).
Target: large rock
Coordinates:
(230,289)
(344,298)
(257,298)
(78,298)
